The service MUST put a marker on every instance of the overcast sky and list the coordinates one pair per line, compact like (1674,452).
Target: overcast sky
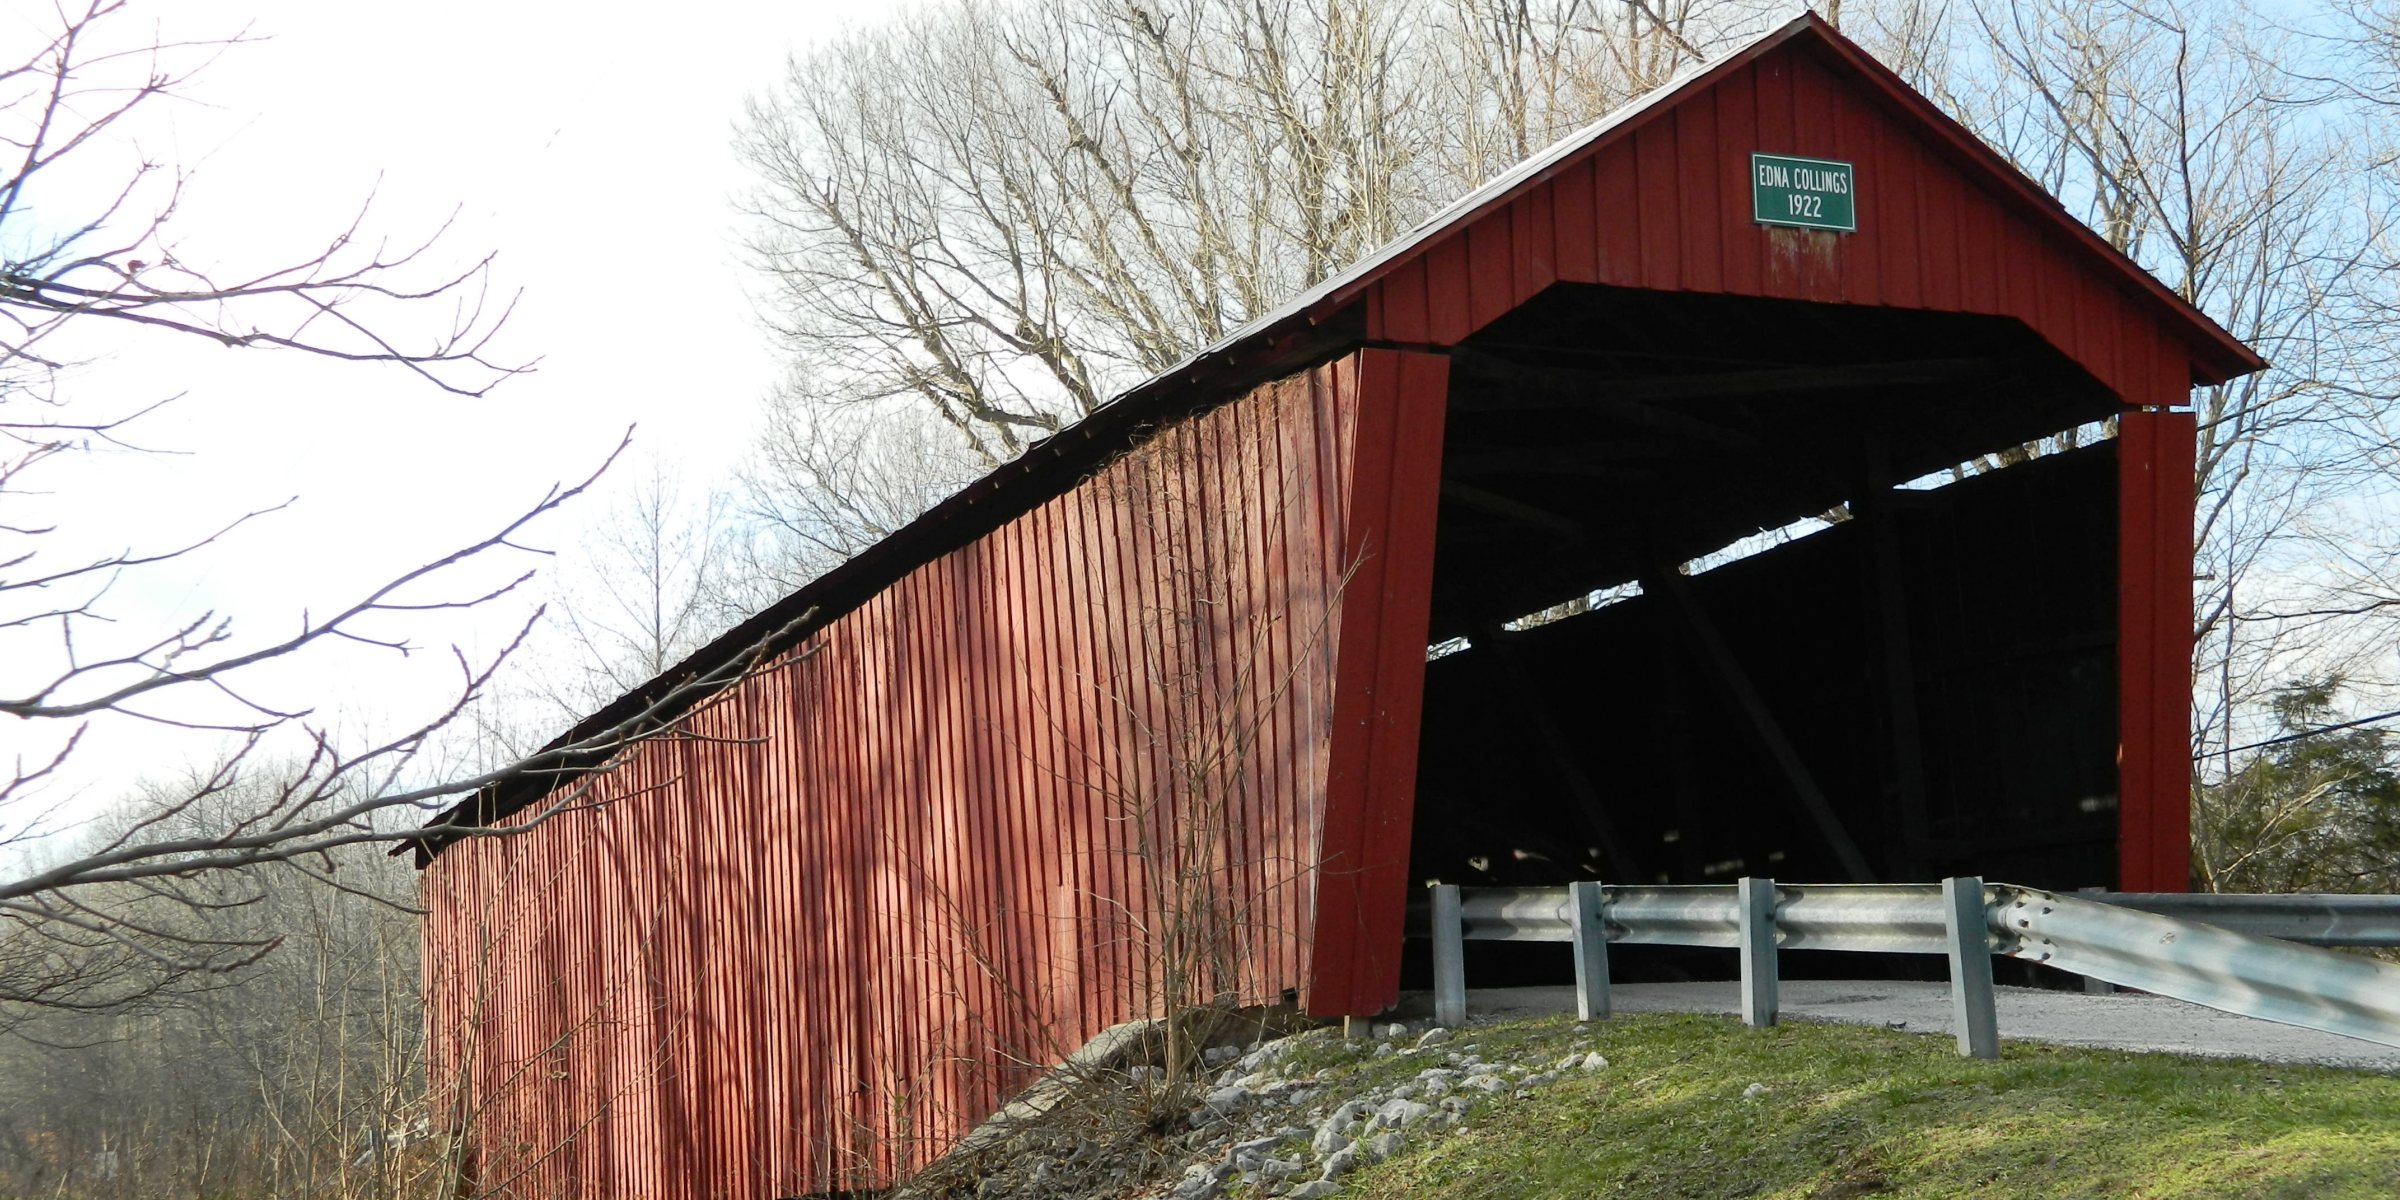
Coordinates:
(587,144)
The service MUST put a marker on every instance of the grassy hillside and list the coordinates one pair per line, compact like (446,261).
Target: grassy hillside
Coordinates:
(1862,1112)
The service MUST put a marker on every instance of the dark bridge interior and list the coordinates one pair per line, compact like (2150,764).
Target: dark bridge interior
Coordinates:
(1925,686)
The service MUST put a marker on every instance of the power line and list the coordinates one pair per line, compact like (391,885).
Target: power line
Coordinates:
(2305,733)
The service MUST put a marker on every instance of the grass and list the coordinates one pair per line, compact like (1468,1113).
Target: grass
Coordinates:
(1866,1112)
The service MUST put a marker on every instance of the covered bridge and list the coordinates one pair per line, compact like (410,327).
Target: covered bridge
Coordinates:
(1149,713)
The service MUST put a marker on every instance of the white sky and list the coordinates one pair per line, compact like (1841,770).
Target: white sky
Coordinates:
(588,144)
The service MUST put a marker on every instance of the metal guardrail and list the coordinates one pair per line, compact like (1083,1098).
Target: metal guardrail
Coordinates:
(2312,920)
(2239,954)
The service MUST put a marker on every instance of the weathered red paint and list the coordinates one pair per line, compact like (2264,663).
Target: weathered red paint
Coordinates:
(808,945)
(1663,204)
(1362,873)
(2154,649)
(1660,200)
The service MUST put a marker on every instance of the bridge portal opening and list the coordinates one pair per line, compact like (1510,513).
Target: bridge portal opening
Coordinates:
(1730,587)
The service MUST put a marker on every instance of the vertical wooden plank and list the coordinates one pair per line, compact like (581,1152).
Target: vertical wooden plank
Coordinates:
(1095,725)
(2066,308)
(1702,181)
(1037,756)
(933,925)
(1654,185)
(2154,648)
(779,1114)
(826,772)
(1318,437)
(1061,777)
(2017,277)
(1738,135)
(1448,318)
(733,1132)
(1575,224)
(1854,140)
(881,944)
(685,951)
(1250,659)
(1979,249)
(1622,225)
(1103,675)
(1141,776)
(1780,263)
(1379,682)
(1771,81)
(849,855)
(2052,283)
(1938,231)
(1243,651)
(1002,739)
(2138,611)
(1491,270)
(2109,314)
(1401,301)
(1817,256)
(1812,104)
(982,591)
(820,773)
(1035,730)
(1902,249)
(1533,240)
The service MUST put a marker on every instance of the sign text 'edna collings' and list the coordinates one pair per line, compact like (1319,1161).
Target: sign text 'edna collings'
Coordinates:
(1811,193)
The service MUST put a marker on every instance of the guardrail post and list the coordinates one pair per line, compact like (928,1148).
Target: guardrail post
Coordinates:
(1449,957)
(1973,1014)
(1591,950)
(2096,987)
(1757,899)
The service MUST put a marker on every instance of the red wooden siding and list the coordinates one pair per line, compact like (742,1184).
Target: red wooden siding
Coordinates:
(2154,650)
(1395,487)
(809,946)
(1663,202)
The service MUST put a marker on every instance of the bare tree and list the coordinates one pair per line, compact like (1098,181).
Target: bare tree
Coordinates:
(299,1074)
(993,218)
(824,482)
(2202,140)
(2368,69)
(87,926)
(635,597)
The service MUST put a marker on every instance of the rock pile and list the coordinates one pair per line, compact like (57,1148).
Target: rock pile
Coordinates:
(1288,1118)
(1277,1132)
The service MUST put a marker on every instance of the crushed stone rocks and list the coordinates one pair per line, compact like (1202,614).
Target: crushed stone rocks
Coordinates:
(1252,1124)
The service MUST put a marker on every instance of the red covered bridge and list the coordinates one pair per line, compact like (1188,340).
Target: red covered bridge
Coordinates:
(1150,710)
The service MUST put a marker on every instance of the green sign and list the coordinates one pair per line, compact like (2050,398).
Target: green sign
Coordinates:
(1811,193)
